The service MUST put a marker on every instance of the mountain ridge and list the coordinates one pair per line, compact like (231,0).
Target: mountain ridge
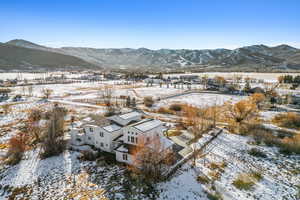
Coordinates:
(14,57)
(249,57)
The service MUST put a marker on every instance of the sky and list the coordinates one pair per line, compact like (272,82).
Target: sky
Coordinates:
(153,24)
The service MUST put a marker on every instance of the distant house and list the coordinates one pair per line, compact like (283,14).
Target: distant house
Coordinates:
(257,90)
(189,77)
(121,135)
(153,80)
(295,99)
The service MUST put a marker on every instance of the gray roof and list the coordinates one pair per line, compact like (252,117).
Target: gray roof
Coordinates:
(112,128)
(148,124)
(130,115)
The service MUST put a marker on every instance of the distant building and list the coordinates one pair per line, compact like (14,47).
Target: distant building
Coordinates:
(189,77)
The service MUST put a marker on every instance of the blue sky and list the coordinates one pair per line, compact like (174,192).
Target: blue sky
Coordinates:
(154,24)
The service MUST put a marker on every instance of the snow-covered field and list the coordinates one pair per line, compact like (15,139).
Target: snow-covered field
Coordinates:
(201,100)
(54,178)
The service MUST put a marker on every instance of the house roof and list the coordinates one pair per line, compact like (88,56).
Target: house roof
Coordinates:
(126,148)
(112,128)
(147,124)
(130,115)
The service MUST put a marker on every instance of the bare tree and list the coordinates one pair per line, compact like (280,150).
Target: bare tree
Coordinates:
(47,92)
(30,90)
(150,158)
(33,126)
(240,115)
(53,142)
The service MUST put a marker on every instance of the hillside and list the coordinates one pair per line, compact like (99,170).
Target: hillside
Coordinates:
(248,58)
(14,57)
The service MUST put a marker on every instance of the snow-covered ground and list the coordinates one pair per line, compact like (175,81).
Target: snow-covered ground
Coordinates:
(201,100)
(278,182)
(52,178)
(183,185)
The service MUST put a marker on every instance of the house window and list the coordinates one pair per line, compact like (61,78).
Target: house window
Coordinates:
(101,134)
(125,157)
(89,138)
(148,139)
(136,140)
(101,144)
(78,139)
(128,138)
(132,139)
(91,129)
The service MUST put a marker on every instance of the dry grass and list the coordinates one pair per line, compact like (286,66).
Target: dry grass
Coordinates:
(176,107)
(244,182)
(290,145)
(164,110)
(215,175)
(203,179)
(175,132)
(287,120)
(215,165)
(4,146)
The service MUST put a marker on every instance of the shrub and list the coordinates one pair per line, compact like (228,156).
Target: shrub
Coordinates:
(164,110)
(88,155)
(17,146)
(215,175)
(290,145)
(176,107)
(257,153)
(288,120)
(211,196)
(148,101)
(256,175)
(244,182)
(203,179)
(262,135)
(35,115)
(175,132)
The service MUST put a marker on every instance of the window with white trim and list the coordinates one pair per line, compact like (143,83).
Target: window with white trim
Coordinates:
(125,157)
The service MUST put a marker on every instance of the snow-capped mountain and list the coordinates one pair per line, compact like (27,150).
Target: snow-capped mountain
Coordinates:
(245,58)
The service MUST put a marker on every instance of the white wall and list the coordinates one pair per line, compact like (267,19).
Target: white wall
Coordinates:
(105,143)
(76,137)
(133,132)
(119,158)
(130,132)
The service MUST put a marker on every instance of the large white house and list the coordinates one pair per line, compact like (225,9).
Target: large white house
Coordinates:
(121,135)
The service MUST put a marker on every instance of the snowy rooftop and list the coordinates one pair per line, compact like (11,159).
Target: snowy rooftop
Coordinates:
(146,125)
(122,148)
(130,115)
(112,128)
(165,142)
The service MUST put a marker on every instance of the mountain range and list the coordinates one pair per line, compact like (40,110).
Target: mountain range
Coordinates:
(24,55)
